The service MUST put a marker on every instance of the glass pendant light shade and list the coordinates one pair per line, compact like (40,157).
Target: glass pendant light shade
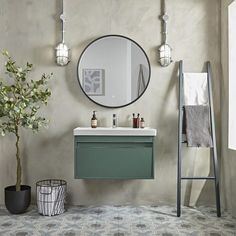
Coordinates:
(165,55)
(62,54)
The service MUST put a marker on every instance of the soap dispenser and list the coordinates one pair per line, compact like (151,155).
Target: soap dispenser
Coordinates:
(138,120)
(94,121)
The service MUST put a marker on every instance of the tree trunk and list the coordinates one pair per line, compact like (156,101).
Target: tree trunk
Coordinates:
(18,161)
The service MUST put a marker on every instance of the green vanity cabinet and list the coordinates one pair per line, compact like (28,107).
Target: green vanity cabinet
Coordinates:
(114,157)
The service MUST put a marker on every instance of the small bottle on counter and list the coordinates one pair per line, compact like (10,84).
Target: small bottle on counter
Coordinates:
(138,120)
(142,123)
(114,121)
(94,121)
(134,121)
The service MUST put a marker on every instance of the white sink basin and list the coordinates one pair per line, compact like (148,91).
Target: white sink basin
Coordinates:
(119,131)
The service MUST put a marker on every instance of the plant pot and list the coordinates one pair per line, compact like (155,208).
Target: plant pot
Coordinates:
(17,201)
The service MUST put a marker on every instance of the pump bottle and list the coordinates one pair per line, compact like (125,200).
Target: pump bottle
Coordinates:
(94,121)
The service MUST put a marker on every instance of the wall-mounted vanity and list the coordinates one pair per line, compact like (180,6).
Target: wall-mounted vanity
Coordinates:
(120,153)
(114,71)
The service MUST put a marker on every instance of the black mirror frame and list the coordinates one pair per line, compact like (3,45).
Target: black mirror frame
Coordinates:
(121,36)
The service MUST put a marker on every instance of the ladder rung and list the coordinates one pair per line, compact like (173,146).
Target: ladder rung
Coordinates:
(198,178)
(196,147)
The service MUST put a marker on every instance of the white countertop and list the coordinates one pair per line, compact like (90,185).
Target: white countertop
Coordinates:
(119,131)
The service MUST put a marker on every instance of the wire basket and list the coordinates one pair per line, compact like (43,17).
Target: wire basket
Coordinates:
(51,194)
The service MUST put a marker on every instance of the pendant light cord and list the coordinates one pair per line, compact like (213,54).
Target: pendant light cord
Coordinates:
(164,19)
(62,17)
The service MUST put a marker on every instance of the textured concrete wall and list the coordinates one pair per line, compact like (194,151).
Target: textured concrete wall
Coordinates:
(228,156)
(30,30)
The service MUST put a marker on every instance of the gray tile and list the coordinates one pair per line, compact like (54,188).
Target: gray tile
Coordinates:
(119,221)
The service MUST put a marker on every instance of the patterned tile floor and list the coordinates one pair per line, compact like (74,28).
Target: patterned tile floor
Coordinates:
(119,221)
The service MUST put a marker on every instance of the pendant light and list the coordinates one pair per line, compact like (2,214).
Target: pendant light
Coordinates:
(165,49)
(62,51)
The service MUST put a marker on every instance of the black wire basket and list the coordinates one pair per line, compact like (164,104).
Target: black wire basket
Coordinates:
(51,195)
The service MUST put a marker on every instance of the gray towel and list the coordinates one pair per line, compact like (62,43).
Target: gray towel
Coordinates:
(197,126)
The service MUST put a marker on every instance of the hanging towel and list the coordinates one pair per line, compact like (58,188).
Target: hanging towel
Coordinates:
(197,126)
(195,89)
(141,80)
(184,137)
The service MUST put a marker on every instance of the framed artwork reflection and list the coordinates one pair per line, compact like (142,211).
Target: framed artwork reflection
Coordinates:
(94,82)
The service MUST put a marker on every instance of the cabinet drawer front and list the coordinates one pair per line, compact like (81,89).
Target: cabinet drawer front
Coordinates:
(114,139)
(114,160)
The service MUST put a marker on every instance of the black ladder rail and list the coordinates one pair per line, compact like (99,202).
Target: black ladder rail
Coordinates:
(180,139)
(213,151)
(213,135)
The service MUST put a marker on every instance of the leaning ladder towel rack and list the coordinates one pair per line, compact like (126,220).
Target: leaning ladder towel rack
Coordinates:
(213,151)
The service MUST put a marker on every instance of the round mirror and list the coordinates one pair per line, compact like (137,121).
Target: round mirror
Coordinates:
(113,71)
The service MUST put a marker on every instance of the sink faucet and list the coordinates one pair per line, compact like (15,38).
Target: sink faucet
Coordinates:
(114,121)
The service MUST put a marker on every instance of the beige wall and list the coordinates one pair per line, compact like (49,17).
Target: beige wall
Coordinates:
(228,156)
(30,30)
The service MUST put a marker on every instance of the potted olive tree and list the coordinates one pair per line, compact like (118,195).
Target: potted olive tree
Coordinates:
(20,100)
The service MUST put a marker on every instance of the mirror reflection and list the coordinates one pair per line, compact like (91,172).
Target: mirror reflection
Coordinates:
(113,71)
